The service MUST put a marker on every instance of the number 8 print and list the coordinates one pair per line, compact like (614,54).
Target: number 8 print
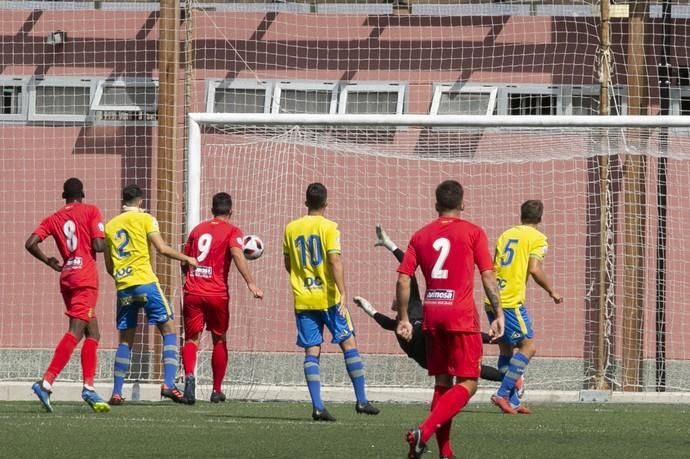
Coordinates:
(70,230)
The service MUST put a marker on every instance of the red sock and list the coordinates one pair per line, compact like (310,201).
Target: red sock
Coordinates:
(443,432)
(447,406)
(189,351)
(63,352)
(89,359)
(219,362)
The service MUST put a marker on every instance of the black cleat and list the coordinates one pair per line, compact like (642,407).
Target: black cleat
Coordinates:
(417,447)
(190,390)
(217,397)
(116,400)
(366,408)
(322,415)
(173,393)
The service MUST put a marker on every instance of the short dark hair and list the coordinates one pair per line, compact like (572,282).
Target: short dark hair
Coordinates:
(131,192)
(531,211)
(72,189)
(448,195)
(222,204)
(316,196)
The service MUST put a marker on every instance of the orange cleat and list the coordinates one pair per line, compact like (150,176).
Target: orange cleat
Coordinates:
(503,404)
(522,410)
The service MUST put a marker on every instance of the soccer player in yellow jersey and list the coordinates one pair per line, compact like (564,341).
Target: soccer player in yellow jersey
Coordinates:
(519,253)
(311,249)
(128,261)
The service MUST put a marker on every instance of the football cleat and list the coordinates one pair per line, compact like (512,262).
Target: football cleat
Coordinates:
(116,400)
(366,408)
(522,410)
(417,447)
(173,393)
(43,395)
(217,397)
(322,415)
(95,401)
(520,386)
(190,390)
(503,403)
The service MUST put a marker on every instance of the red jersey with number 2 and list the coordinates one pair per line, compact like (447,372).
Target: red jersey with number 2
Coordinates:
(74,227)
(447,251)
(210,243)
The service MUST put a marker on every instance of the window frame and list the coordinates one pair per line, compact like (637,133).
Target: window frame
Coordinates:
(373,87)
(76,82)
(124,83)
(21,82)
(213,85)
(590,90)
(305,86)
(503,107)
(448,88)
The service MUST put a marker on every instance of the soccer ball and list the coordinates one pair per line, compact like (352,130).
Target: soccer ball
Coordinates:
(252,246)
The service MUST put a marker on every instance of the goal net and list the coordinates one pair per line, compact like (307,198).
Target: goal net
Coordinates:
(599,186)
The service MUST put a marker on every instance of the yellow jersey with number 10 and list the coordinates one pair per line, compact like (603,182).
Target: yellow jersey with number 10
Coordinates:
(127,241)
(514,248)
(308,241)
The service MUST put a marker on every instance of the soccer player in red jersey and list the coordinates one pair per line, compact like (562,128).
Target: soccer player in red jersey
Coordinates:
(78,233)
(447,251)
(215,244)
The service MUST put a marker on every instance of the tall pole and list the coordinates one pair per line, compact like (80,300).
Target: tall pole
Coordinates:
(634,177)
(664,72)
(168,51)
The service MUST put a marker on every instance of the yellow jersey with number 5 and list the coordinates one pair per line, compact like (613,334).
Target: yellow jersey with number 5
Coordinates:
(127,241)
(514,248)
(308,241)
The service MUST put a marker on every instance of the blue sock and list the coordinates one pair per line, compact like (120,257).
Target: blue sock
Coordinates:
(355,368)
(121,367)
(169,359)
(503,362)
(515,370)
(312,373)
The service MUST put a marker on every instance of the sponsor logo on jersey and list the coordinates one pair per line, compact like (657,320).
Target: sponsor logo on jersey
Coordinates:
(440,295)
(203,271)
(74,263)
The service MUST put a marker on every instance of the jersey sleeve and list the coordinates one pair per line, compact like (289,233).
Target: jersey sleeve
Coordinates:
(43,229)
(151,225)
(482,257)
(409,263)
(332,242)
(96,224)
(235,240)
(539,247)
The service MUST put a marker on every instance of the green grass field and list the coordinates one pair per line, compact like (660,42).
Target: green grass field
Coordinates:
(285,430)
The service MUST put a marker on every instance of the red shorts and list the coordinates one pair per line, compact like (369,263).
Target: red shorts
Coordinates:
(453,353)
(81,303)
(210,310)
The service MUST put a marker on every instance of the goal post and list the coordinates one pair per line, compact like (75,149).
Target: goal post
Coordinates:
(382,169)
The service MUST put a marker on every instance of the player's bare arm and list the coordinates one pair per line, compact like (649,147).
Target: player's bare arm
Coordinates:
(98,245)
(286,262)
(243,268)
(402,296)
(164,249)
(32,246)
(335,262)
(109,265)
(536,270)
(491,290)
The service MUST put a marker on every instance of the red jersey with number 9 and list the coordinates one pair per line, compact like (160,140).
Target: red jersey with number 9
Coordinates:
(210,243)
(74,227)
(447,251)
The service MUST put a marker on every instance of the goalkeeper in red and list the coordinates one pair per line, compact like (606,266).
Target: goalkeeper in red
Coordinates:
(447,250)
(215,243)
(519,253)
(78,233)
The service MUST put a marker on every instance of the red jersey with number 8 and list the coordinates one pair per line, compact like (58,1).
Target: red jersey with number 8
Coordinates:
(447,251)
(210,243)
(74,227)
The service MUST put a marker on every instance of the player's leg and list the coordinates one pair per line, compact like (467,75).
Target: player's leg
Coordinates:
(342,330)
(127,326)
(384,321)
(218,320)
(89,363)
(309,326)
(382,240)
(193,320)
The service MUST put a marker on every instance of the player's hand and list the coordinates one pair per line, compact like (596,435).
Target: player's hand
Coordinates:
(54,263)
(192,262)
(557,298)
(256,291)
(497,328)
(404,330)
(342,307)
